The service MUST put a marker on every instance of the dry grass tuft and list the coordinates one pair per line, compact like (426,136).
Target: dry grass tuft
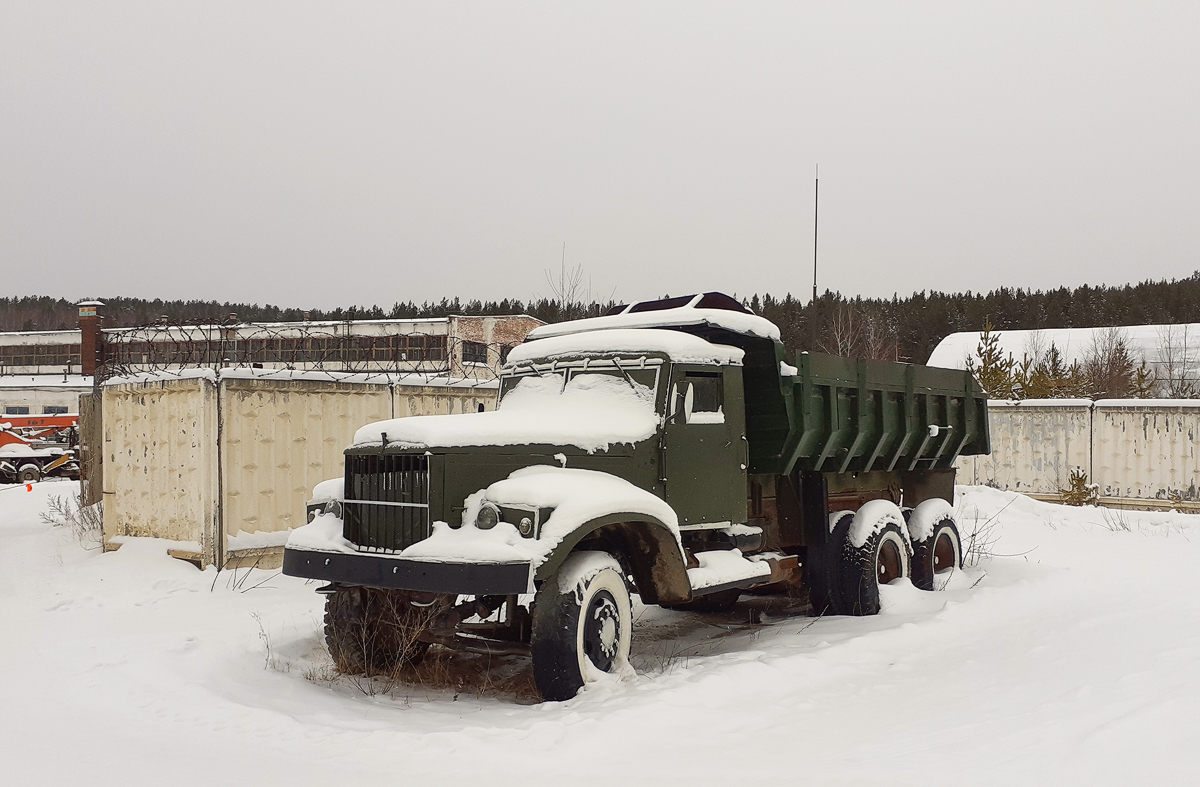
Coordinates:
(85,522)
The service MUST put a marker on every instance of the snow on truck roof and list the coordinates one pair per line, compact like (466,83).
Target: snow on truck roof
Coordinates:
(713,309)
(679,347)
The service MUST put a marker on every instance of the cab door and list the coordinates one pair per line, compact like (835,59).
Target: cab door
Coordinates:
(704,446)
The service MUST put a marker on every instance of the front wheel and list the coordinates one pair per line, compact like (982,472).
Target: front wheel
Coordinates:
(29,474)
(582,621)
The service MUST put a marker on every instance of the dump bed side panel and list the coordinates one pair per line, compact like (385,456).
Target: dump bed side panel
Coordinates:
(856,415)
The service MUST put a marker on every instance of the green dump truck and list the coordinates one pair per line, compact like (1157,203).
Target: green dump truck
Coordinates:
(671,449)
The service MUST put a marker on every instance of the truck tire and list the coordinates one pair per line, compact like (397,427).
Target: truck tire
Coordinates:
(884,558)
(582,621)
(28,474)
(372,631)
(940,552)
(822,568)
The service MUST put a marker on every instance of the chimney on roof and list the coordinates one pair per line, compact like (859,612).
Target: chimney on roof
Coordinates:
(91,342)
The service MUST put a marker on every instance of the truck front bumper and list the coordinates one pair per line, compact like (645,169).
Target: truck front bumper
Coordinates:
(376,571)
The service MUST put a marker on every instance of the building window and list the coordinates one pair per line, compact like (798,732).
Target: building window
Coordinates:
(57,355)
(54,409)
(17,409)
(474,352)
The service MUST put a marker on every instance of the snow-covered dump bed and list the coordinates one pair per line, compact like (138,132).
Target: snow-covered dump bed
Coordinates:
(591,412)
(679,347)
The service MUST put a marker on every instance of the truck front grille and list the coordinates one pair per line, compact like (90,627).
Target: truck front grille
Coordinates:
(387,501)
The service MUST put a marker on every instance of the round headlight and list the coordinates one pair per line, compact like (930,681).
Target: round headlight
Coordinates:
(526,526)
(334,507)
(487,518)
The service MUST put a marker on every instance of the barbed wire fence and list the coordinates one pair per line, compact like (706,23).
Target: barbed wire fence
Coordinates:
(336,348)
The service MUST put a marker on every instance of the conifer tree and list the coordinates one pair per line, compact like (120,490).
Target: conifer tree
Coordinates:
(994,370)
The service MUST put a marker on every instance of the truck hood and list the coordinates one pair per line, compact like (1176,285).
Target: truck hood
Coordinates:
(591,416)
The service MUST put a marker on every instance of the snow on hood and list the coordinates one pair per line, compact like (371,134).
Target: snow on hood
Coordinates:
(749,324)
(679,347)
(593,412)
(330,489)
(577,497)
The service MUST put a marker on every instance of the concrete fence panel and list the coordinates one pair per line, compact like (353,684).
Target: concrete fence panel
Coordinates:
(1139,452)
(160,469)
(222,462)
(279,438)
(1035,445)
(1146,449)
(442,400)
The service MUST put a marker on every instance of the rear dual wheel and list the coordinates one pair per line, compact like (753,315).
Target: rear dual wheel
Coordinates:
(843,577)
(883,559)
(937,557)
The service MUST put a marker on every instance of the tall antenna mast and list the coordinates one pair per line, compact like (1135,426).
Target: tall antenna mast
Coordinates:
(816,206)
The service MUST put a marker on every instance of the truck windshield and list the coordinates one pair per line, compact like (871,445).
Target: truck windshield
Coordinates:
(640,383)
(551,380)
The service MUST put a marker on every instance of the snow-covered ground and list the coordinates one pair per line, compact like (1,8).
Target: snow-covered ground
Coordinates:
(1070,657)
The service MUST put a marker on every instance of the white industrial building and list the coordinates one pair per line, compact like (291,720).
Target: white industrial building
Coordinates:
(1157,345)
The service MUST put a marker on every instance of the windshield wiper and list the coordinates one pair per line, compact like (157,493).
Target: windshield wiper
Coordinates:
(624,373)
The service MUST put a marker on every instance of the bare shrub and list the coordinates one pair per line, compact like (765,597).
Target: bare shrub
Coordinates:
(269,660)
(1177,353)
(391,656)
(1108,366)
(1078,491)
(321,672)
(86,523)
(855,332)
(979,535)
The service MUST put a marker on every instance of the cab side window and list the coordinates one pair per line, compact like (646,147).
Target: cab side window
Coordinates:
(708,391)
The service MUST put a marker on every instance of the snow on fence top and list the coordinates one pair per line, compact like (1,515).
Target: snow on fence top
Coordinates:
(59,380)
(1036,403)
(689,312)
(312,375)
(1139,404)
(679,347)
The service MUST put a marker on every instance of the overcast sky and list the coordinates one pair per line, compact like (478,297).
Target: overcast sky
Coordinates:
(324,154)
